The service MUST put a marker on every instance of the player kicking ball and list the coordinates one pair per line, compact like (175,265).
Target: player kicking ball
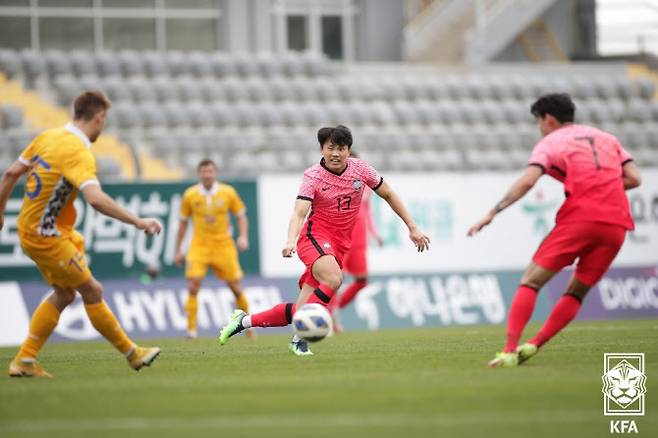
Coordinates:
(332,192)
(60,165)
(590,226)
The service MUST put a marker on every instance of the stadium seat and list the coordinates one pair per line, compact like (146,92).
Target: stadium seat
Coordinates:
(638,110)
(222,65)
(107,64)
(646,88)
(176,115)
(10,63)
(268,65)
(155,64)
(293,64)
(188,89)
(141,90)
(199,65)
(199,116)
(33,64)
(152,116)
(165,89)
(211,90)
(235,90)
(131,63)
(11,116)
(222,115)
(18,141)
(57,64)
(82,63)
(176,64)
(246,65)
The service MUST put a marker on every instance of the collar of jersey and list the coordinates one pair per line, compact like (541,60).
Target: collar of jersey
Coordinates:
(76,131)
(324,165)
(210,192)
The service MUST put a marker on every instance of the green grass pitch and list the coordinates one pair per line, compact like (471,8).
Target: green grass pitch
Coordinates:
(425,382)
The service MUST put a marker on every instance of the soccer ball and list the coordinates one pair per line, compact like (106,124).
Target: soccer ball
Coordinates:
(312,322)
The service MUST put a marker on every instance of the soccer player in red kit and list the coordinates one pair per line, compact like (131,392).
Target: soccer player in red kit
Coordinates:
(590,226)
(332,192)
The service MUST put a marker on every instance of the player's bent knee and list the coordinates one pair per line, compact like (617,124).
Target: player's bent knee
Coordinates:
(91,291)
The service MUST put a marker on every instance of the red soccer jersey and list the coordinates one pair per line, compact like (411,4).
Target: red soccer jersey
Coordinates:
(589,163)
(336,198)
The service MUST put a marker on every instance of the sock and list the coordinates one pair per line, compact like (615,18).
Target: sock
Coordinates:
(191,307)
(519,314)
(322,295)
(107,325)
(42,324)
(278,316)
(242,303)
(564,311)
(246,322)
(295,338)
(348,295)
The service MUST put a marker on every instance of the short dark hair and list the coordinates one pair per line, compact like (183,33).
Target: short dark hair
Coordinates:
(90,103)
(559,105)
(206,162)
(340,135)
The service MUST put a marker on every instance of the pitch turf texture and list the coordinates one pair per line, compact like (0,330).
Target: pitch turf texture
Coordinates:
(389,383)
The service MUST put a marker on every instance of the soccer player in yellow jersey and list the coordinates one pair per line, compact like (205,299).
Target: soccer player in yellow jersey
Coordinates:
(208,204)
(59,164)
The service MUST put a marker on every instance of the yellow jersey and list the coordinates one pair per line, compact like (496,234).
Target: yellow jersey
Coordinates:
(209,211)
(61,165)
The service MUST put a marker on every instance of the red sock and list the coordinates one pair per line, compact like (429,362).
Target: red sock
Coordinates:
(322,295)
(564,311)
(278,316)
(519,314)
(348,295)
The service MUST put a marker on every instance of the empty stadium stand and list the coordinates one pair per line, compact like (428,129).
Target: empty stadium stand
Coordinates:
(257,114)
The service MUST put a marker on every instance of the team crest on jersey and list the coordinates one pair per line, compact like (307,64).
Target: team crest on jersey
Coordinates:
(327,245)
(357,185)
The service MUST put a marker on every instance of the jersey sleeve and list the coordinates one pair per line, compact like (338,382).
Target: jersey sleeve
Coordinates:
(186,206)
(79,168)
(371,177)
(624,156)
(541,156)
(235,203)
(307,189)
(28,154)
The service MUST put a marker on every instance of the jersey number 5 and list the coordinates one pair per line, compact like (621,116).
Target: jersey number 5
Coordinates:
(37,179)
(590,140)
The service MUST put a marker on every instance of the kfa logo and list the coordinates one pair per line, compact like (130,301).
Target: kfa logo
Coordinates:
(624,387)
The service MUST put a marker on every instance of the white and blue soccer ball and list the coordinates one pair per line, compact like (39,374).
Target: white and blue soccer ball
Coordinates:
(312,322)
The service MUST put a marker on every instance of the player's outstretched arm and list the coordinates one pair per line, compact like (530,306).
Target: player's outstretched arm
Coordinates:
(631,175)
(302,206)
(106,205)
(519,188)
(7,184)
(419,239)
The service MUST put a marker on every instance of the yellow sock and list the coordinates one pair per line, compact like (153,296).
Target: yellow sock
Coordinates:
(191,308)
(43,323)
(107,325)
(242,303)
